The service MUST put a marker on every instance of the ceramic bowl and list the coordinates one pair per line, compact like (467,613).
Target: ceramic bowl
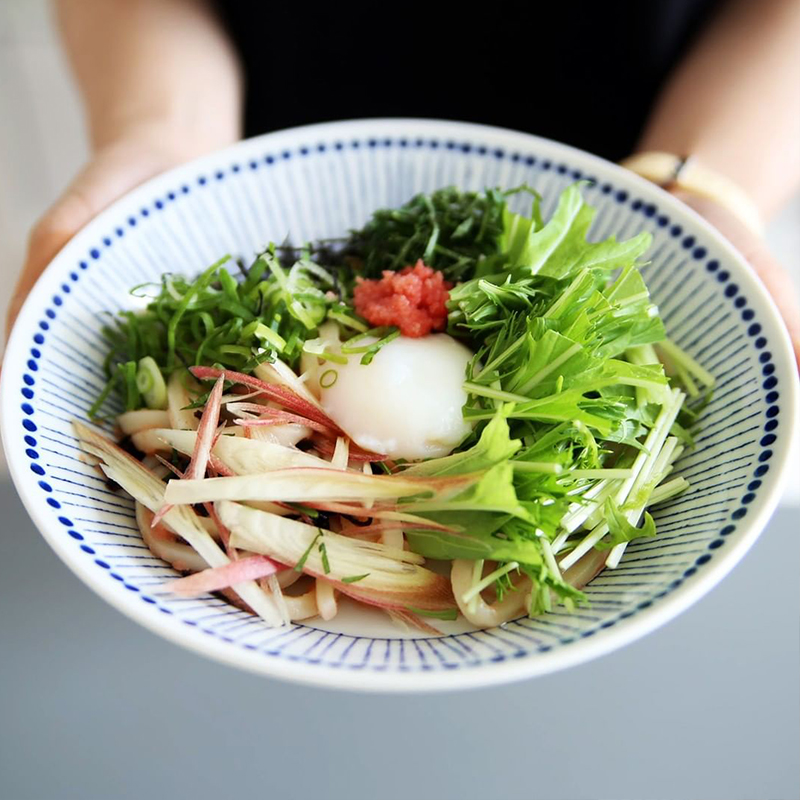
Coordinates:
(319,181)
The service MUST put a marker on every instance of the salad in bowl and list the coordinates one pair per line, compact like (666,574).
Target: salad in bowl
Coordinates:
(455,410)
(431,438)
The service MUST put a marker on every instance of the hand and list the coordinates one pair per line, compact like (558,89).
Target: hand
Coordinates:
(755,251)
(113,170)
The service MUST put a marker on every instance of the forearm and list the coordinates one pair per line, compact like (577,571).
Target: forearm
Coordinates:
(161,68)
(734,102)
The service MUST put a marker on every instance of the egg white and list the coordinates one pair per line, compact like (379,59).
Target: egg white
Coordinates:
(407,403)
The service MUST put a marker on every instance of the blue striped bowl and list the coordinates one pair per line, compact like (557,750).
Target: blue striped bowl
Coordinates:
(319,181)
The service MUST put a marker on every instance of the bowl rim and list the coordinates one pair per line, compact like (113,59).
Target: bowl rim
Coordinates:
(533,664)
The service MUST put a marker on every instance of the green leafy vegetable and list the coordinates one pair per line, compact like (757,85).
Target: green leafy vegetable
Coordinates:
(620,530)
(489,520)
(495,446)
(551,323)
(576,421)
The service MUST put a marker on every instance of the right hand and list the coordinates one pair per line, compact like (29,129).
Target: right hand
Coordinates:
(775,278)
(113,170)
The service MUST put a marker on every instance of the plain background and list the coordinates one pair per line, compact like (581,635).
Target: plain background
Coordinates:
(93,706)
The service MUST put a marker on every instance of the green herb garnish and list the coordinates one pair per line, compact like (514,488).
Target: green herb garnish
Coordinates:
(328,378)
(355,578)
(298,567)
(323,552)
(449,614)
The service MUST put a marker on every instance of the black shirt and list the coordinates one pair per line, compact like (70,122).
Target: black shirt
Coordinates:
(585,73)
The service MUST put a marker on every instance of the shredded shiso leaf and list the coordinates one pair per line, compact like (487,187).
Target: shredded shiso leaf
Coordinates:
(449,230)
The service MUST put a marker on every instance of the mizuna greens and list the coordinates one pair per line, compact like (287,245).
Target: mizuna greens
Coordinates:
(579,406)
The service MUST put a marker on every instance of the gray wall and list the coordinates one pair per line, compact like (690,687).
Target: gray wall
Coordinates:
(94,707)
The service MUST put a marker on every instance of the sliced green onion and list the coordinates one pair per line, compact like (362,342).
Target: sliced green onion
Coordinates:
(169,285)
(351,348)
(229,285)
(132,397)
(375,348)
(107,389)
(268,335)
(254,275)
(336,358)
(250,329)
(137,290)
(235,349)
(328,378)
(150,382)
(198,286)
(345,319)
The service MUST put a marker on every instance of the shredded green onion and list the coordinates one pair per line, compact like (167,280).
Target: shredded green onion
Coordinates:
(298,567)
(355,578)
(323,552)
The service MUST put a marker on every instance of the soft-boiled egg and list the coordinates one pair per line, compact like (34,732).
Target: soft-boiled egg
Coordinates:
(407,402)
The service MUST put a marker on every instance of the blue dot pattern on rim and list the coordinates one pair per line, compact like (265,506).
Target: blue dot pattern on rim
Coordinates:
(113,543)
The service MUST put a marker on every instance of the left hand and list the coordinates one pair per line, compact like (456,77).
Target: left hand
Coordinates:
(773,275)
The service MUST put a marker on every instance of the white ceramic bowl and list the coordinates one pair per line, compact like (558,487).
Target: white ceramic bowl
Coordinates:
(319,181)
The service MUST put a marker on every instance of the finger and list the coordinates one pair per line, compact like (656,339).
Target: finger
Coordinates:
(773,275)
(49,235)
(778,283)
(110,175)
